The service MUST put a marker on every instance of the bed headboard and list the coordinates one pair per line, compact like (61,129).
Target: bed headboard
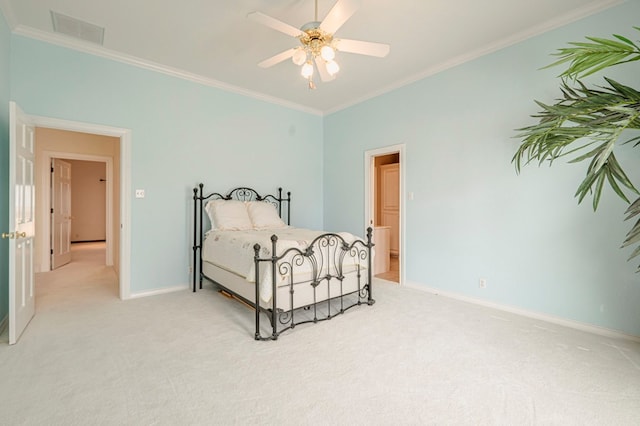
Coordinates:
(245,194)
(241,194)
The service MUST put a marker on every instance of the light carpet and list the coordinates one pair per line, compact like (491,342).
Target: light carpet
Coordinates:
(412,358)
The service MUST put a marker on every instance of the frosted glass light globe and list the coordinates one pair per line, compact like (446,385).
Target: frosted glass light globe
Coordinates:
(307,70)
(327,53)
(332,67)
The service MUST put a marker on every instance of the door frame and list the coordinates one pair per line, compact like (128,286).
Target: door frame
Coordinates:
(45,199)
(124,277)
(369,187)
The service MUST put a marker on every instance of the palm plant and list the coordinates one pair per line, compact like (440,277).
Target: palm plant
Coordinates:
(587,122)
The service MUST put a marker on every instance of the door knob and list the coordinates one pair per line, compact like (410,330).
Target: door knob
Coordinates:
(10,235)
(21,234)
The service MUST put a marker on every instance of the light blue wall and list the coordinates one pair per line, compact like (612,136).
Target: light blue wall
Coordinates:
(472,216)
(183,133)
(5,42)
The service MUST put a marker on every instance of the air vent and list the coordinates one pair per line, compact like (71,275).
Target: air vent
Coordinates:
(76,28)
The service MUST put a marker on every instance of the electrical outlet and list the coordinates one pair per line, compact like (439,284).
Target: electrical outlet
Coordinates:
(482,283)
(139,193)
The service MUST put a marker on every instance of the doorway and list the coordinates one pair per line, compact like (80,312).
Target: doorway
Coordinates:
(28,202)
(81,196)
(118,174)
(385,208)
(57,152)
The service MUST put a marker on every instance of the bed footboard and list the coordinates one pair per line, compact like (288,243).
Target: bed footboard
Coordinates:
(339,273)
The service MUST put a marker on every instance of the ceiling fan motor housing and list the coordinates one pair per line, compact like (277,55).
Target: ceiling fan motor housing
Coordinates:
(314,38)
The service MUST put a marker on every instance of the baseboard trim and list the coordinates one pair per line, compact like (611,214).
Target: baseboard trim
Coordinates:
(4,323)
(158,291)
(589,328)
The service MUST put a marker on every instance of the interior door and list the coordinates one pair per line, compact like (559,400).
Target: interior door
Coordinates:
(21,222)
(390,203)
(60,213)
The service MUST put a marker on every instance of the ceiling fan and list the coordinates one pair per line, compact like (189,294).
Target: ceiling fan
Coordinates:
(317,42)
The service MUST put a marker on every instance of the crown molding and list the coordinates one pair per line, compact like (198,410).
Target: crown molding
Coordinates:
(552,24)
(70,43)
(96,50)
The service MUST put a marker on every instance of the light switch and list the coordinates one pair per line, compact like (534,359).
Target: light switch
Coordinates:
(139,193)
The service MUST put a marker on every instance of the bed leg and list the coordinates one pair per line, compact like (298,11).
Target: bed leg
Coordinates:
(256,260)
(193,270)
(274,311)
(370,300)
(200,197)
(195,236)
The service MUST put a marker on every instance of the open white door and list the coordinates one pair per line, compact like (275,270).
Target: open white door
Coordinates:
(21,222)
(60,213)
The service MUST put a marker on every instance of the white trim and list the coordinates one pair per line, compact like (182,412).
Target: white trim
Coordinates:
(77,126)
(96,50)
(125,215)
(4,323)
(125,185)
(159,291)
(369,158)
(594,329)
(45,200)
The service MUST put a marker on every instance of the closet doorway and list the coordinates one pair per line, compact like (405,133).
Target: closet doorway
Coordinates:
(385,210)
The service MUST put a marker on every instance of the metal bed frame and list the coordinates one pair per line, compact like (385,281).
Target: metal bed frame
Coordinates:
(325,255)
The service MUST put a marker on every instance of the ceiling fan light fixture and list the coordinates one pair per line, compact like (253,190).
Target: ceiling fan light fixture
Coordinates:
(327,53)
(332,67)
(317,42)
(307,70)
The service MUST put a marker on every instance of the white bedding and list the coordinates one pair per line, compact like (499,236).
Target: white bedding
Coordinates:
(233,251)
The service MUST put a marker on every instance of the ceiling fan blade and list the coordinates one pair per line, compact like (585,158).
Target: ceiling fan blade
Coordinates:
(277,58)
(363,47)
(339,14)
(274,23)
(322,70)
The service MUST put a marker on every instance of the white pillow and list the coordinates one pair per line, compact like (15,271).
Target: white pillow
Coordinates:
(209,209)
(264,215)
(228,215)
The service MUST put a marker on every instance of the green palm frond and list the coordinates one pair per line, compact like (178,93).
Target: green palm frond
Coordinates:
(593,117)
(586,123)
(588,58)
(633,237)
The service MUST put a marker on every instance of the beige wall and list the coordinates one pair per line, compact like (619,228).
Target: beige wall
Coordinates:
(88,200)
(53,140)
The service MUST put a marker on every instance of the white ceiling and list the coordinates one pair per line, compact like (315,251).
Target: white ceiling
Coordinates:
(213,42)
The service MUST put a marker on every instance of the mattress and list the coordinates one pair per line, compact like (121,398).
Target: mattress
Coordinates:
(233,251)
